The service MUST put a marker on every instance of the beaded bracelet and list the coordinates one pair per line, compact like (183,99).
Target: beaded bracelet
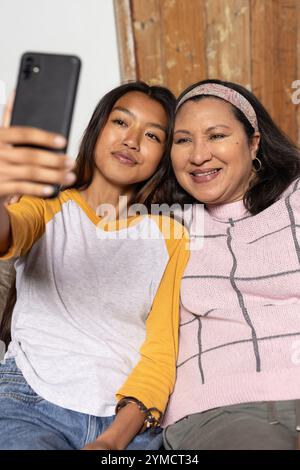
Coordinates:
(150,420)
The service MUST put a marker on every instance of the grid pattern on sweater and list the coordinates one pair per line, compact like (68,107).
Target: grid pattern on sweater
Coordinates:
(240,309)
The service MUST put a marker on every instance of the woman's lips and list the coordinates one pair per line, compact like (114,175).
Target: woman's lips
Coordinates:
(205,178)
(124,158)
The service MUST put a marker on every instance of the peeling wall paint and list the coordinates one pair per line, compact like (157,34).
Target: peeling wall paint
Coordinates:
(252,42)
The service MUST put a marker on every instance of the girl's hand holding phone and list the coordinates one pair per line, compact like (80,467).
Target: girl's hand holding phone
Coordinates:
(32,160)
(25,169)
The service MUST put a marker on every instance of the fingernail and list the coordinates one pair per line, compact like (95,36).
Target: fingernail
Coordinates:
(48,190)
(60,141)
(69,163)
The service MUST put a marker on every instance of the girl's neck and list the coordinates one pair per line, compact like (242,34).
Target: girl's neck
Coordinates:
(102,195)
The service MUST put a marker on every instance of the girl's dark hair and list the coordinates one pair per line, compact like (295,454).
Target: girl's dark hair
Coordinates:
(148,191)
(5,324)
(280,158)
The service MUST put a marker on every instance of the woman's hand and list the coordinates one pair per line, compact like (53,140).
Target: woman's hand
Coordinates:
(25,169)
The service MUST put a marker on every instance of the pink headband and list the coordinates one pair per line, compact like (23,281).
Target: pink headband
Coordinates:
(227,94)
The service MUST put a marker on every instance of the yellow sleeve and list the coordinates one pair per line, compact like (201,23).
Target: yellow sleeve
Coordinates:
(152,380)
(27,225)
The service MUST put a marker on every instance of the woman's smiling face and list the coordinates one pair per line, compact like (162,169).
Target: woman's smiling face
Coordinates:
(211,153)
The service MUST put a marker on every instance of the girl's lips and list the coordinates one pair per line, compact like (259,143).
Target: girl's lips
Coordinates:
(205,178)
(124,159)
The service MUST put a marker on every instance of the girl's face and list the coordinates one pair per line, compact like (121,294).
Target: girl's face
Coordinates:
(211,153)
(132,142)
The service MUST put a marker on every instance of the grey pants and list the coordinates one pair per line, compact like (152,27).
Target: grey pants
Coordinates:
(248,426)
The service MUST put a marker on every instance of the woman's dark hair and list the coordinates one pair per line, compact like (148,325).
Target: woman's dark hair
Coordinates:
(279,157)
(148,191)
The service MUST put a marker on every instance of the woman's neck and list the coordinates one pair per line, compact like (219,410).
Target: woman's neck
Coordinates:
(232,210)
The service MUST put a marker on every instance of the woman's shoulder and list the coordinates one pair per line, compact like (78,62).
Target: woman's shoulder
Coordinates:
(293,188)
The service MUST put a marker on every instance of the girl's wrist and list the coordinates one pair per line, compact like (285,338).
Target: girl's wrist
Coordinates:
(152,416)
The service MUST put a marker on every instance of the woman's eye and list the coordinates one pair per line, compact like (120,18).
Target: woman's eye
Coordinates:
(182,140)
(119,122)
(153,137)
(216,136)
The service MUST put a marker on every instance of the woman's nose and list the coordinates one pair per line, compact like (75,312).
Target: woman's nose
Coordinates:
(200,153)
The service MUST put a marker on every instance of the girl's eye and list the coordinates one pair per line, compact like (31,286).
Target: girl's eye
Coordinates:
(119,122)
(216,136)
(153,137)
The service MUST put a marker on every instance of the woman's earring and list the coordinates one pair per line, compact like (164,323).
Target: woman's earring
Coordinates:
(258,166)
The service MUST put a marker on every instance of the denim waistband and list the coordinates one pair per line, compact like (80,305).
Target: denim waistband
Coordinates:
(9,365)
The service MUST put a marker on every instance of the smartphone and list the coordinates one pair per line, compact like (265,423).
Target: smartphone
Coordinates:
(46,92)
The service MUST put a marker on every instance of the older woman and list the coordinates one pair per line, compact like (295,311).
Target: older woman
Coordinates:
(238,370)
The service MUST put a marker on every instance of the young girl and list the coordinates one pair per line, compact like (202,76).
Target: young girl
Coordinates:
(95,304)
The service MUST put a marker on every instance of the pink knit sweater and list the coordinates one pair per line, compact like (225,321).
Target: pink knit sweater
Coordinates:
(240,310)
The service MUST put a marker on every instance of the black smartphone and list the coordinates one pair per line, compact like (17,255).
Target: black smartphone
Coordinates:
(46,92)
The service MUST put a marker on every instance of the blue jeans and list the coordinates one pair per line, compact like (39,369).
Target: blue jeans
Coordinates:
(29,422)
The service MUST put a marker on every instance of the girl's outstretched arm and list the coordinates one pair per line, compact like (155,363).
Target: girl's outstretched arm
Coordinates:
(5,235)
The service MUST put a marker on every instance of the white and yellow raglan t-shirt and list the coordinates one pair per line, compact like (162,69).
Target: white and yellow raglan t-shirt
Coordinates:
(97,311)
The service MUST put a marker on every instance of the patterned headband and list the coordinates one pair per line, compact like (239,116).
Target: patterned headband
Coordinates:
(227,94)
